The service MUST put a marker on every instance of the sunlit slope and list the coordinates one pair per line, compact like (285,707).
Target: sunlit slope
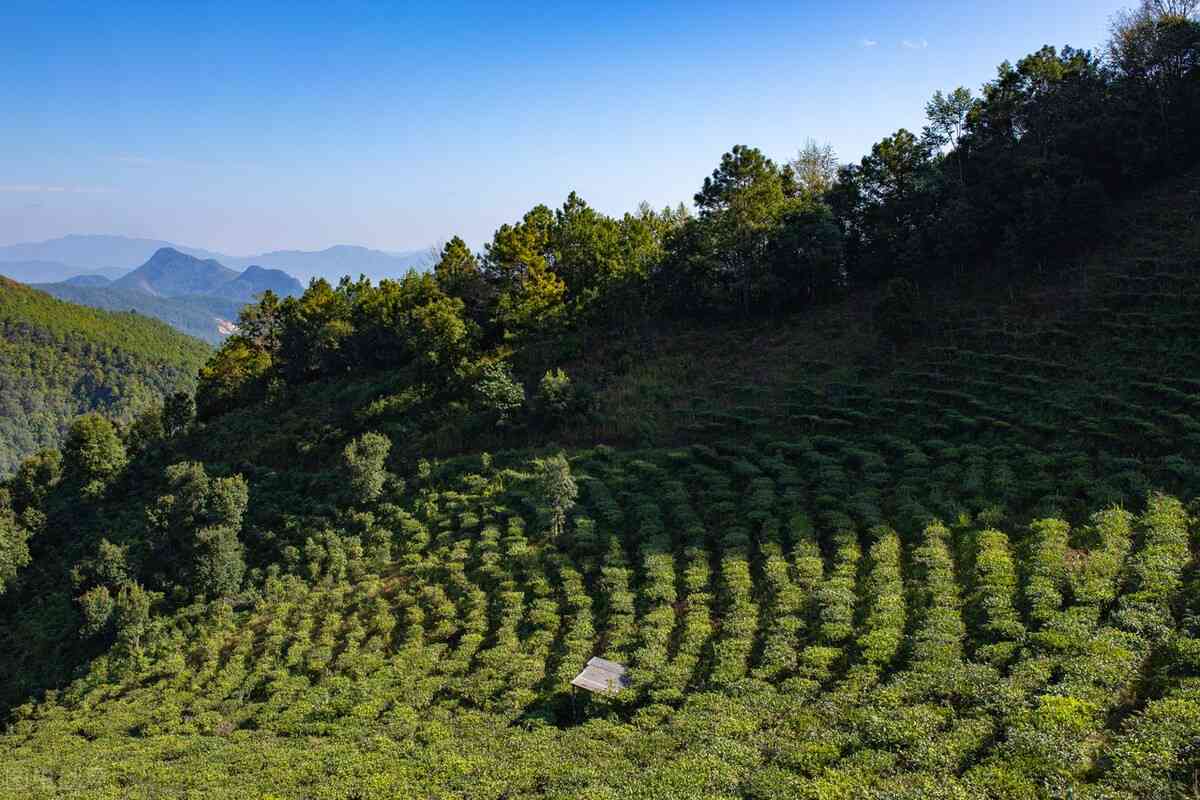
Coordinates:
(58,360)
(783,642)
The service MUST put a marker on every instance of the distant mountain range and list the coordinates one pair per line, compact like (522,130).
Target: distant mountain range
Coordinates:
(199,292)
(200,297)
(56,260)
(37,271)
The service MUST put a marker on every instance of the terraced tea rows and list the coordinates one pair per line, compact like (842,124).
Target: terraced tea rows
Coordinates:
(792,609)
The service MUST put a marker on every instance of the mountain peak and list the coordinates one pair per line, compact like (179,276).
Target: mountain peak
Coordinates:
(255,280)
(170,273)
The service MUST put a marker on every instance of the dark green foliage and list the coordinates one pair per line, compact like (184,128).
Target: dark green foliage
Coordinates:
(179,410)
(194,530)
(899,314)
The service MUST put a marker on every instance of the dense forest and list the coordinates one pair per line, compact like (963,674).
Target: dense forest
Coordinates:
(58,361)
(879,478)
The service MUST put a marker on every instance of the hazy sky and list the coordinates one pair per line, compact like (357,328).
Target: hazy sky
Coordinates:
(247,127)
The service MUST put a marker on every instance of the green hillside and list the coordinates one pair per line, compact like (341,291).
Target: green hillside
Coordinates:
(880,482)
(795,623)
(198,316)
(58,361)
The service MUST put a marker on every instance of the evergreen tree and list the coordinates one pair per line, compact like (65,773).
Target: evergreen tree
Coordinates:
(558,490)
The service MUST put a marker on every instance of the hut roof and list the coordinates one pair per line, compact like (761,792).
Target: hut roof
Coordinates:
(600,675)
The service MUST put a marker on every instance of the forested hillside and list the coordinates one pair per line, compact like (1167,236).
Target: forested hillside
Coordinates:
(58,361)
(880,480)
(200,317)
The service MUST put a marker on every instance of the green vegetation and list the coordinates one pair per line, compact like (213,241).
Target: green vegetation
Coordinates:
(935,535)
(196,315)
(58,361)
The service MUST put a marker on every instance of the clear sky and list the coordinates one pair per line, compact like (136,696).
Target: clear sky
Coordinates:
(246,127)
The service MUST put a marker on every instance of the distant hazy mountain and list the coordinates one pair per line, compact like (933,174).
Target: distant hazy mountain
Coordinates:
(202,316)
(170,273)
(255,280)
(197,296)
(50,271)
(88,280)
(94,253)
(334,262)
(112,256)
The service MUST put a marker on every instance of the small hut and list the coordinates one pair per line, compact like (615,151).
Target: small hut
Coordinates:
(603,677)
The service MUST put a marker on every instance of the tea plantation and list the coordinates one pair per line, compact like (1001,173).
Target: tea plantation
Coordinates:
(968,568)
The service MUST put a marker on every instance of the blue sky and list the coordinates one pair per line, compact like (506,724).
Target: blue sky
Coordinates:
(246,127)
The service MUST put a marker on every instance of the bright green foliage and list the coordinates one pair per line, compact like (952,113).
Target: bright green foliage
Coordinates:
(96,605)
(992,599)
(1154,572)
(558,490)
(364,460)
(482,618)
(1047,568)
(883,623)
(407,324)
(556,395)
(554,268)
(58,361)
(232,376)
(14,547)
(93,454)
(499,391)
(131,616)
(534,304)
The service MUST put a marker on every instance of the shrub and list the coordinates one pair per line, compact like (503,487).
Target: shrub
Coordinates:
(556,393)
